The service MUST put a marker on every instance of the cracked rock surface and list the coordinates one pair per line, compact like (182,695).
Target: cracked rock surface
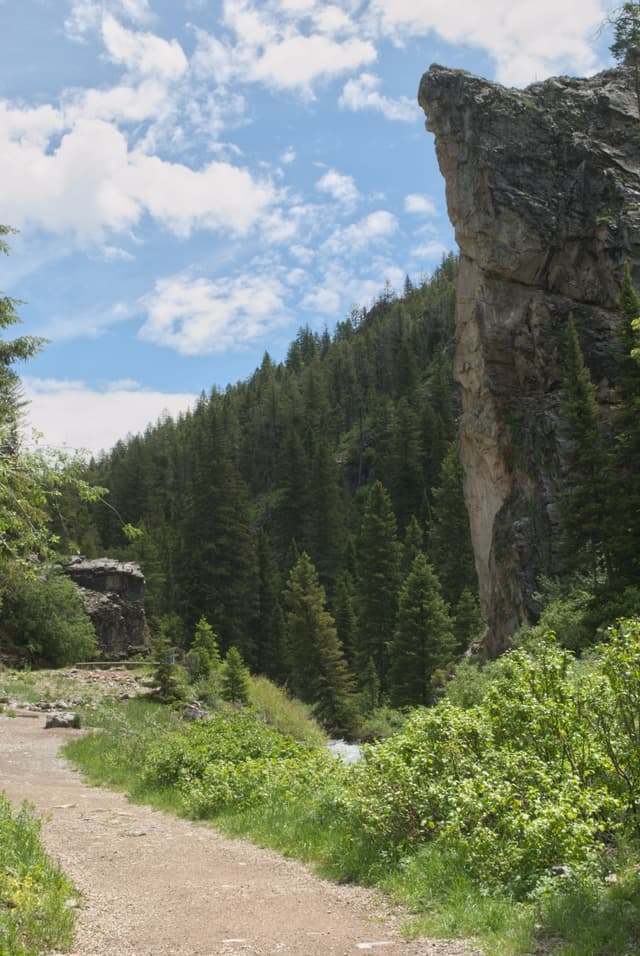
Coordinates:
(543,190)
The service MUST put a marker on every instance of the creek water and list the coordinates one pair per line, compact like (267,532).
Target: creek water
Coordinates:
(348,753)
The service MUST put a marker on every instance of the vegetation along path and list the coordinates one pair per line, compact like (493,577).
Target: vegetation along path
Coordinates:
(155,885)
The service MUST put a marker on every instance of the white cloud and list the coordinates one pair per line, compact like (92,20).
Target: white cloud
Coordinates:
(86,15)
(143,53)
(430,251)
(73,415)
(328,18)
(339,186)
(278,48)
(92,184)
(325,300)
(197,316)
(420,204)
(364,93)
(124,103)
(297,62)
(115,253)
(526,40)
(303,254)
(376,227)
(288,156)
(340,289)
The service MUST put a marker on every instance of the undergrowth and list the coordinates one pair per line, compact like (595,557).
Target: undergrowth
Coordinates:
(35,915)
(512,819)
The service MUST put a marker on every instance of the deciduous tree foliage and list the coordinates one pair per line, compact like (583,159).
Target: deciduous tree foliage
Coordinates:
(41,619)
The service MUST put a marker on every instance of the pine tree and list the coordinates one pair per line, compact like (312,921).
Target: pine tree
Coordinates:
(318,670)
(235,678)
(407,476)
(468,624)
(378,582)
(205,645)
(424,640)
(584,496)
(412,545)
(269,623)
(345,614)
(450,538)
(328,511)
(370,687)
(165,672)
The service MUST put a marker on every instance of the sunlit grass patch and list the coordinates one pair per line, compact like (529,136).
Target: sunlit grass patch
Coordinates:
(37,902)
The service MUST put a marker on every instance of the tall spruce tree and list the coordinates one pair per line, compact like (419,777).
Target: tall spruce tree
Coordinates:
(450,548)
(205,645)
(269,637)
(345,614)
(424,641)
(318,670)
(378,582)
(412,545)
(468,624)
(235,678)
(584,499)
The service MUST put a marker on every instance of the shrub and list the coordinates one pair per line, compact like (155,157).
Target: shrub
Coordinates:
(44,618)
(285,714)
(34,916)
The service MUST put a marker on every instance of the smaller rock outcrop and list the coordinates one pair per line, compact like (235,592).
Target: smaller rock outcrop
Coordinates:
(113,596)
(63,721)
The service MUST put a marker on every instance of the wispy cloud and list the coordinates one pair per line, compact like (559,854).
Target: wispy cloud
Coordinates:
(340,187)
(363,93)
(198,316)
(376,227)
(420,204)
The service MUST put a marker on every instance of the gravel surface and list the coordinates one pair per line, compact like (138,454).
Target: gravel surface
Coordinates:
(155,885)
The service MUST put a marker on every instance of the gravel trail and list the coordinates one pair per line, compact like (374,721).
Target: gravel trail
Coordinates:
(155,885)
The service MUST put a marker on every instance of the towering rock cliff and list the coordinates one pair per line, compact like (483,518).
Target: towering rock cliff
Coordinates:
(543,189)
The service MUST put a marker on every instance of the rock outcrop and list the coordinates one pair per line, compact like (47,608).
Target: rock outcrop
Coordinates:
(113,597)
(543,189)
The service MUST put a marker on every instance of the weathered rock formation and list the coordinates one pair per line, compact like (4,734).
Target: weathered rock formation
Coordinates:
(113,597)
(543,189)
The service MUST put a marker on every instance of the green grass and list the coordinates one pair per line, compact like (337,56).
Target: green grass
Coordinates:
(35,915)
(285,714)
(114,753)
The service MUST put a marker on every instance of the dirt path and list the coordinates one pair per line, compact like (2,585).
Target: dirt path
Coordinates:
(154,885)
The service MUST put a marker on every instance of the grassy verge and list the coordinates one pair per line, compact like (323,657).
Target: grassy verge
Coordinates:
(35,915)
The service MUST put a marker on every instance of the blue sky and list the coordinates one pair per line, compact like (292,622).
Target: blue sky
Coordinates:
(194,180)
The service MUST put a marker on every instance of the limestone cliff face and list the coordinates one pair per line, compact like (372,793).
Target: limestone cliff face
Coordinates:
(543,189)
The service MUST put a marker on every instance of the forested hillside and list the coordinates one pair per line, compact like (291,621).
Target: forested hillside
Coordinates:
(346,452)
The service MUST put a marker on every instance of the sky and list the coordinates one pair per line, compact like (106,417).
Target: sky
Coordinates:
(193,181)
